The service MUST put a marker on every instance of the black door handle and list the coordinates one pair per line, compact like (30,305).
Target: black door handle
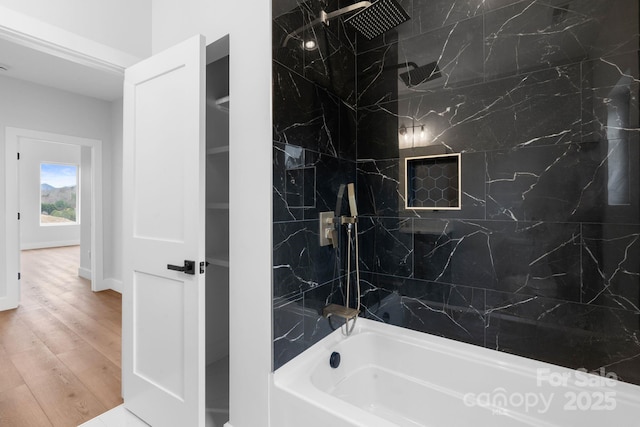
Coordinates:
(188,268)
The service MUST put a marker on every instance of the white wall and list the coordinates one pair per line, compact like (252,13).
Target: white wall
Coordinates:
(29,106)
(33,235)
(85,212)
(121,24)
(113,210)
(248,24)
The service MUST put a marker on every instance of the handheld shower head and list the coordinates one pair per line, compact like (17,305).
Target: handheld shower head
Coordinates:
(378,18)
(353,207)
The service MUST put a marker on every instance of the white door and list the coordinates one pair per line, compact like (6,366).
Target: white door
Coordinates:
(163,356)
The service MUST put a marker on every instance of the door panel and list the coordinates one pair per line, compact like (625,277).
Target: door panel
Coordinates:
(156,102)
(164,211)
(158,317)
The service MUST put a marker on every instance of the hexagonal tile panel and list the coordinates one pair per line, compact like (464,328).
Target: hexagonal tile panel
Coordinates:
(433,182)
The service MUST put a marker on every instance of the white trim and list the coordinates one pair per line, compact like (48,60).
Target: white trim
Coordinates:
(38,35)
(11,225)
(58,224)
(13,136)
(113,284)
(43,245)
(85,273)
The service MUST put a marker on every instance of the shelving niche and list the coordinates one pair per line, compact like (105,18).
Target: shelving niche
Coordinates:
(217,237)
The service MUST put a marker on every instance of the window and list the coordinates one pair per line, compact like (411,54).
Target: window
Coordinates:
(58,194)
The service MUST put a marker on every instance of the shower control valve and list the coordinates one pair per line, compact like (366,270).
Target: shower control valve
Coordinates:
(328,232)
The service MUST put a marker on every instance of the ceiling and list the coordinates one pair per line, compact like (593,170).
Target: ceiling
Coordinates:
(36,66)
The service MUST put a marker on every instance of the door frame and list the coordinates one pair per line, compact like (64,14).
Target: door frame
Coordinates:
(12,250)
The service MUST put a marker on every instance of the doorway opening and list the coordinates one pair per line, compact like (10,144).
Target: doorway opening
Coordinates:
(54,186)
(90,155)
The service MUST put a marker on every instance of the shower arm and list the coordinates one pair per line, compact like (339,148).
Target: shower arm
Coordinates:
(325,17)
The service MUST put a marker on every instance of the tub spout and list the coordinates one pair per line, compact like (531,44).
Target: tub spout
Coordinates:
(340,311)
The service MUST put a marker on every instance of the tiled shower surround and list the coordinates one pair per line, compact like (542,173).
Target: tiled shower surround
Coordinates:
(541,99)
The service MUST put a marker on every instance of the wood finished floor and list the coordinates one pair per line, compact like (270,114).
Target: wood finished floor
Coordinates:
(60,351)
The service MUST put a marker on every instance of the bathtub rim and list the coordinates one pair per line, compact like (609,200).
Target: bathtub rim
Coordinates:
(295,375)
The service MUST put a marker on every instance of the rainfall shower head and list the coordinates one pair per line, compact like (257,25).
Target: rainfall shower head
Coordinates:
(378,18)
(419,75)
(372,20)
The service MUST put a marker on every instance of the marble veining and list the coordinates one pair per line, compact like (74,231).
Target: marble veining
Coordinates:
(541,100)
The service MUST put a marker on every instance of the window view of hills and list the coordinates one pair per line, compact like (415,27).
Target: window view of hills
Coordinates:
(58,202)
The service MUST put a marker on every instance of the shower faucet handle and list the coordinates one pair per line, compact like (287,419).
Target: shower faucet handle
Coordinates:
(327,231)
(334,238)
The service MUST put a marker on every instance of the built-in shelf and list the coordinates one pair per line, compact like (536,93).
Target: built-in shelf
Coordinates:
(223,104)
(433,182)
(219,260)
(216,158)
(218,205)
(218,150)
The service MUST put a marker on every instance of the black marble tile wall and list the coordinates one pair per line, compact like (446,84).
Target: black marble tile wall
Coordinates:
(314,152)
(541,98)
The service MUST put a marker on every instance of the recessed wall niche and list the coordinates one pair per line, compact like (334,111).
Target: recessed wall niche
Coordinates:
(433,182)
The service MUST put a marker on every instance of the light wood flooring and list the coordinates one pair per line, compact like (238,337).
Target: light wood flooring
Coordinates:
(60,351)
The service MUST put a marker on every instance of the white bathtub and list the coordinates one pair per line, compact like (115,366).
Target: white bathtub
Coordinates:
(390,376)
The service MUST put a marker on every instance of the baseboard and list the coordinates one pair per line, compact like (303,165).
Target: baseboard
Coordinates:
(4,305)
(113,284)
(85,273)
(43,245)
